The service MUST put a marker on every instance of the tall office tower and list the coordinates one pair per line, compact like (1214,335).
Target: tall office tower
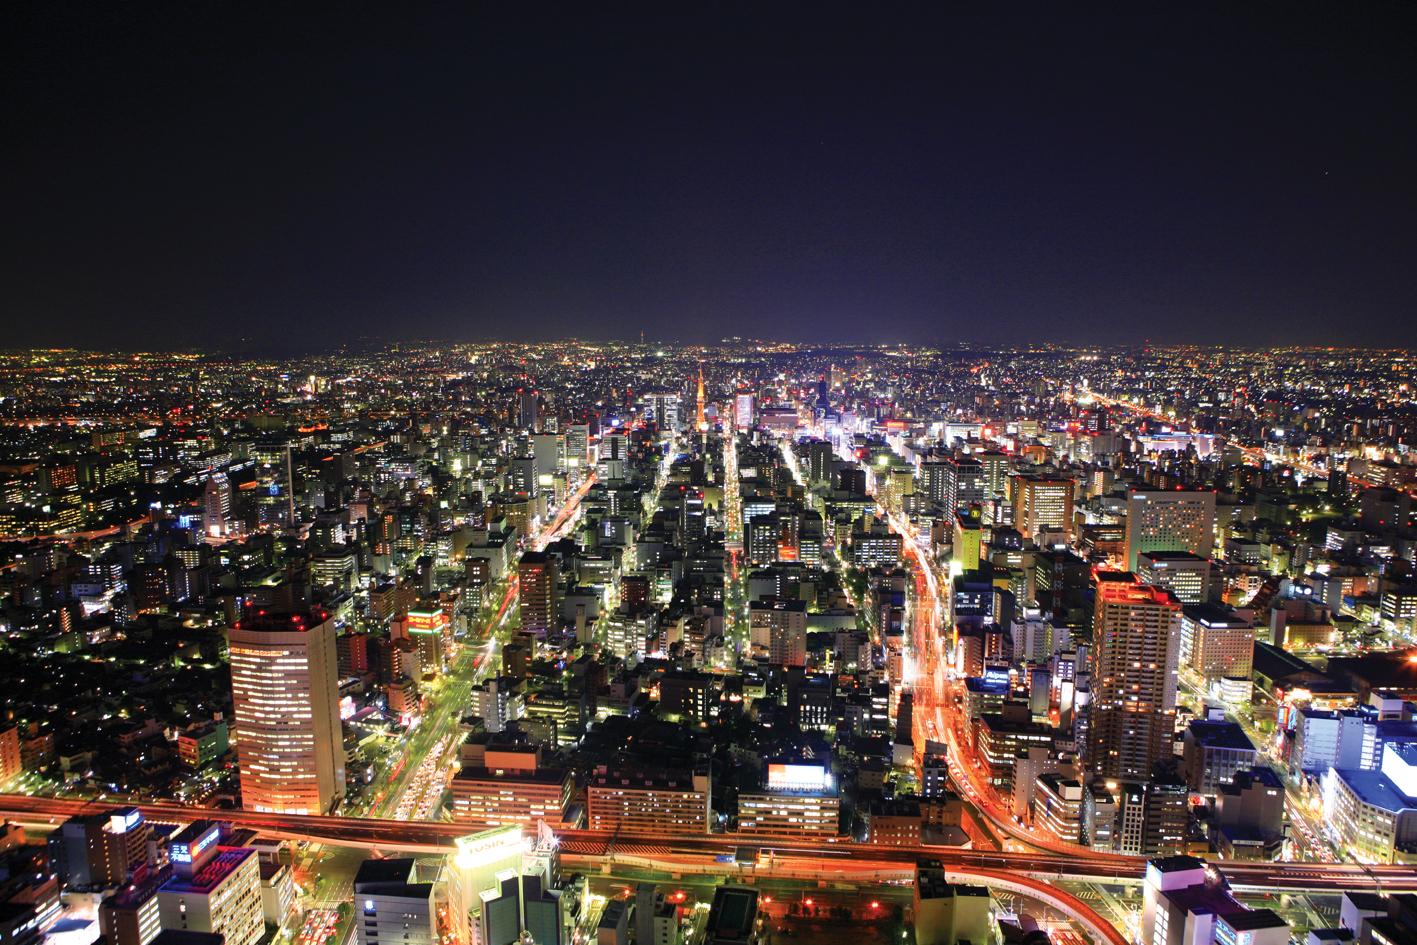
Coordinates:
(285,696)
(289,487)
(996,472)
(934,481)
(666,410)
(528,409)
(216,504)
(966,482)
(577,446)
(548,457)
(743,416)
(1175,520)
(536,580)
(1043,504)
(1136,639)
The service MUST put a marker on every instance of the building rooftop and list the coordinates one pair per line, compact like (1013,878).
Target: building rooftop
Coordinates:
(384,871)
(778,603)
(1286,669)
(1375,789)
(213,874)
(899,806)
(1214,615)
(274,622)
(533,775)
(142,887)
(1203,899)
(1172,557)
(1126,589)
(732,914)
(187,937)
(643,780)
(1261,775)
(1220,735)
(991,686)
(1176,864)
(1250,919)
(613,914)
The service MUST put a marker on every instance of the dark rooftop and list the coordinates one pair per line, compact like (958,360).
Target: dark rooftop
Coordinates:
(383,871)
(1220,735)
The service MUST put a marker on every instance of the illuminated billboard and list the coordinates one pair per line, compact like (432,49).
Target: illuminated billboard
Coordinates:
(427,621)
(798,777)
(188,851)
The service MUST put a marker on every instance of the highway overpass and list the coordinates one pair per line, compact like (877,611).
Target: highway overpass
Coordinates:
(845,859)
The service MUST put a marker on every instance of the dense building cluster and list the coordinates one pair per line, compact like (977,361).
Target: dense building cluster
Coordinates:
(1140,603)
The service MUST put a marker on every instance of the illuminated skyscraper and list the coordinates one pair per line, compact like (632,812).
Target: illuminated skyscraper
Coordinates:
(1042,504)
(1170,520)
(1136,640)
(665,409)
(743,416)
(216,505)
(537,583)
(285,697)
(528,409)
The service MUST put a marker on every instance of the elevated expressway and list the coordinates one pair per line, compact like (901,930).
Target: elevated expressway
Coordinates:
(842,860)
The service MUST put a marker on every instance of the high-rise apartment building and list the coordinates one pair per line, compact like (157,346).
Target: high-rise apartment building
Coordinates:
(498,700)
(216,504)
(285,698)
(778,626)
(1136,637)
(537,583)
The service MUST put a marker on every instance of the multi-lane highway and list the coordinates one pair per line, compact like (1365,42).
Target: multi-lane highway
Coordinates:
(937,713)
(845,857)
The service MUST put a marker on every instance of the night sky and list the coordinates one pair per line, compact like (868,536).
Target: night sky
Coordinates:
(259,177)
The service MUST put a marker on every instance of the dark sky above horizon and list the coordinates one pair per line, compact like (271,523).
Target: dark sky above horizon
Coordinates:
(218,174)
